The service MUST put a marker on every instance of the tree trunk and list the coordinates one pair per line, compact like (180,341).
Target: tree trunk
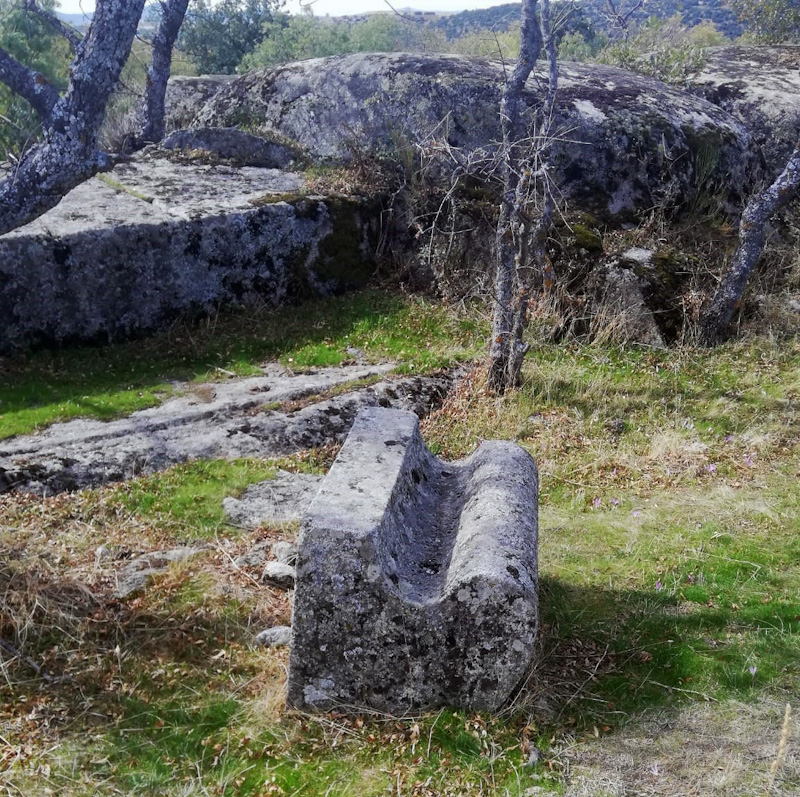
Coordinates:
(716,318)
(69,154)
(515,230)
(153,127)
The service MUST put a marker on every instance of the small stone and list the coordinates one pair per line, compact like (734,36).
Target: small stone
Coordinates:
(256,556)
(102,553)
(276,637)
(533,757)
(279,574)
(644,257)
(285,552)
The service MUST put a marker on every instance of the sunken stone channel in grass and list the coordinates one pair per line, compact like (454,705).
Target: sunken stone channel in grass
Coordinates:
(417,580)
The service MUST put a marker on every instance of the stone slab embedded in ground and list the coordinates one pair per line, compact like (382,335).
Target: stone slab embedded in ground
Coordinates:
(274,501)
(417,580)
(216,421)
(135,575)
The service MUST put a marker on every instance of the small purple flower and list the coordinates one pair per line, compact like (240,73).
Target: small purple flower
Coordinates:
(615,502)
(728,438)
(614,472)
(753,670)
(711,468)
(659,586)
(748,460)
(690,578)
(596,502)
(636,512)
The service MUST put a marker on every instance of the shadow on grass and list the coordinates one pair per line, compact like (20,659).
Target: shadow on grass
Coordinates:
(104,380)
(163,687)
(609,655)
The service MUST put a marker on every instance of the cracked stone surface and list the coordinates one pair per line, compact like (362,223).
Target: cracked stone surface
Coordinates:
(417,579)
(219,420)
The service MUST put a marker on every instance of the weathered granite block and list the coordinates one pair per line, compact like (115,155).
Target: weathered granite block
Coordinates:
(416,578)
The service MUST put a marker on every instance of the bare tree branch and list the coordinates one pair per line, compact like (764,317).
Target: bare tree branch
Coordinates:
(619,19)
(30,85)
(511,239)
(67,31)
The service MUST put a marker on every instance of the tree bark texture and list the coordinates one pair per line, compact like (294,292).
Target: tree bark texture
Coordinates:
(153,127)
(516,230)
(69,154)
(716,319)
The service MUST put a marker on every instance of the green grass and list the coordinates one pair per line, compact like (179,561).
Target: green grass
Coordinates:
(105,382)
(670,582)
(189,496)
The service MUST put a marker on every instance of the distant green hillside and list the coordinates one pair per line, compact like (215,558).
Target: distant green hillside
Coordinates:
(500,18)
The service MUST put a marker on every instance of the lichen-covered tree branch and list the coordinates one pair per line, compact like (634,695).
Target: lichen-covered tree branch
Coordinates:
(67,32)
(69,153)
(172,14)
(29,84)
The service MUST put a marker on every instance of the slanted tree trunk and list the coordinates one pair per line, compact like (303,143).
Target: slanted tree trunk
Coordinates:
(153,126)
(716,318)
(69,154)
(516,230)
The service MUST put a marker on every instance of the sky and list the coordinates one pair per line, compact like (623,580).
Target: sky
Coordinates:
(339,7)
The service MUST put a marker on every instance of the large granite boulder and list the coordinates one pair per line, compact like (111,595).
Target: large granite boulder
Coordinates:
(760,86)
(626,142)
(126,252)
(416,579)
(186,95)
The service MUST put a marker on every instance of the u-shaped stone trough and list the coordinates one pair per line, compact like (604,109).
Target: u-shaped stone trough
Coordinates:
(416,579)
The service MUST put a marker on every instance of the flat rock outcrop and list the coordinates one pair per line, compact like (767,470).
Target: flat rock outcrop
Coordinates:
(215,421)
(760,86)
(126,252)
(626,142)
(280,500)
(417,580)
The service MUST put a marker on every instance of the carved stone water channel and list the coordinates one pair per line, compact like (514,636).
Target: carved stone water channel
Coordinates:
(417,581)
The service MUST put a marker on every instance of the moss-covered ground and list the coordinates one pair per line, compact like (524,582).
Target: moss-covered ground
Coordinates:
(669,560)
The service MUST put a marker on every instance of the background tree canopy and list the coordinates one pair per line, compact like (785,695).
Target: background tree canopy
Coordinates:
(28,39)
(770,21)
(219,36)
